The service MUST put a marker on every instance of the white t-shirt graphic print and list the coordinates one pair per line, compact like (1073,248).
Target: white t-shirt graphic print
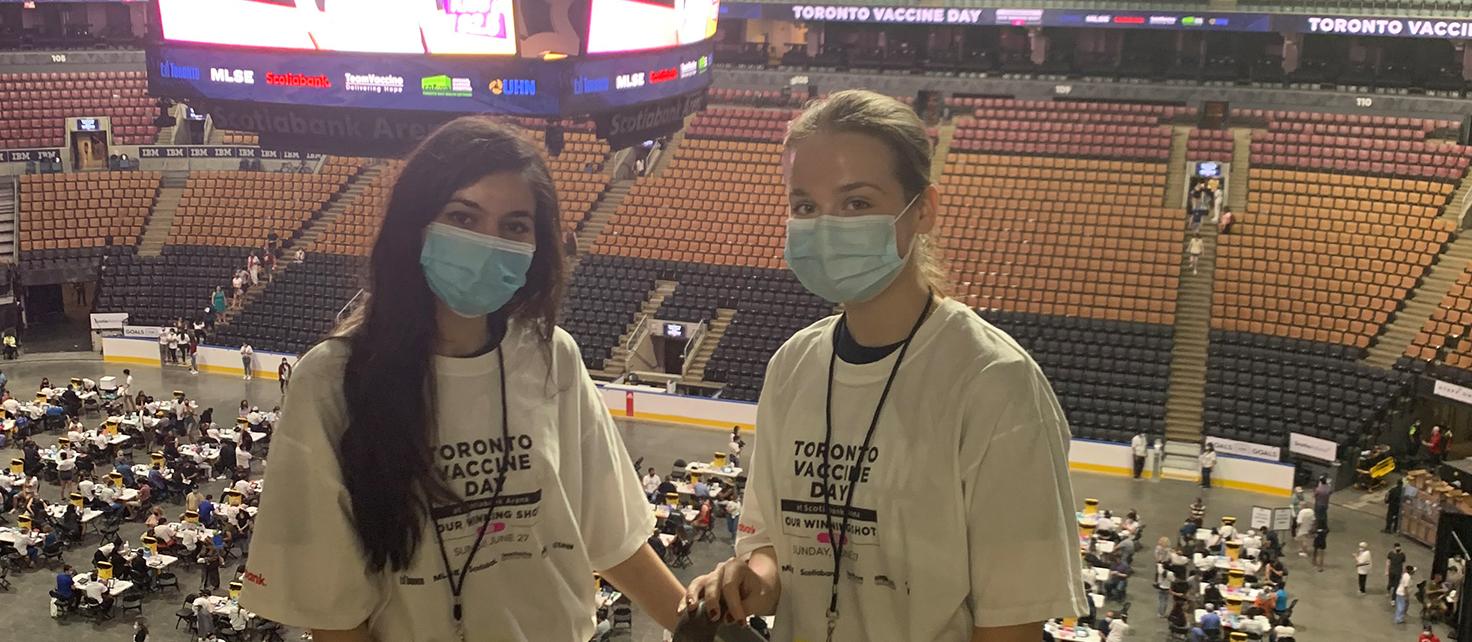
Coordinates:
(963,515)
(572,504)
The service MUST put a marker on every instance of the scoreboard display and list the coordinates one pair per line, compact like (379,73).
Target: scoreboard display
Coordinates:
(539,58)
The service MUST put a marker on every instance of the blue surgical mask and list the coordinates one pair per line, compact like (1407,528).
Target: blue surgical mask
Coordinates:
(845,259)
(474,274)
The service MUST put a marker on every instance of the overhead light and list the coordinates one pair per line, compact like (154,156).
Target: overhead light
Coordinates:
(553,55)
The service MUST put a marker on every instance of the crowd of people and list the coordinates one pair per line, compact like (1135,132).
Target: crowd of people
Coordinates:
(99,484)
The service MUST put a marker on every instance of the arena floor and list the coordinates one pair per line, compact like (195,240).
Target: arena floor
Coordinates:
(1329,609)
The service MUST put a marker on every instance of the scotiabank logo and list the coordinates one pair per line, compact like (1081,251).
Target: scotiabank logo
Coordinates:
(234,76)
(298,80)
(663,75)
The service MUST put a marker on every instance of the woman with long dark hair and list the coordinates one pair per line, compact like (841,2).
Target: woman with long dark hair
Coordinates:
(445,468)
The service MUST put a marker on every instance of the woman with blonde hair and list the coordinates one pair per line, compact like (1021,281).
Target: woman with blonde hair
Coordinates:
(911,478)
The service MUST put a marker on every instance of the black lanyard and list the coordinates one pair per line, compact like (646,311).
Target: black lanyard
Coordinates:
(837,541)
(457,588)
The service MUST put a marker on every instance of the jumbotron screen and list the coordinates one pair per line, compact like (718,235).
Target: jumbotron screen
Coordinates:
(552,58)
(475,27)
(636,25)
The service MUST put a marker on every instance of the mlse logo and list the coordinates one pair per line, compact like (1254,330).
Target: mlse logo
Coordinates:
(179,72)
(235,76)
(629,81)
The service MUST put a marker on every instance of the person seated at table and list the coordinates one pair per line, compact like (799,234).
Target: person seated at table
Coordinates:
(136,506)
(1188,532)
(1213,595)
(138,569)
(125,468)
(64,583)
(157,481)
(1283,631)
(1211,624)
(166,536)
(191,541)
(1118,626)
(74,430)
(1106,525)
(155,517)
(1266,600)
(245,488)
(93,591)
(1435,598)
(665,488)
(1131,523)
(657,544)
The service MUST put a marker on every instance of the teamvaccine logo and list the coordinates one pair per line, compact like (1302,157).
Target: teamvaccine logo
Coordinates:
(298,80)
(233,76)
(443,85)
(373,83)
(168,69)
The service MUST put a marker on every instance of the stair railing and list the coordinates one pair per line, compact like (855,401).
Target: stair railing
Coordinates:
(641,330)
(348,307)
(693,347)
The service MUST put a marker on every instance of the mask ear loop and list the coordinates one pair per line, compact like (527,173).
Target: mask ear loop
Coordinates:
(916,238)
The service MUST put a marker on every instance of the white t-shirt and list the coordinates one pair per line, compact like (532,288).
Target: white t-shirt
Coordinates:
(242,458)
(246,350)
(1194,247)
(651,483)
(937,547)
(1208,459)
(1117,629)
(1137,445)
(1403,588)
(1305,522)
(1362,562)
(573,505)
(85,487)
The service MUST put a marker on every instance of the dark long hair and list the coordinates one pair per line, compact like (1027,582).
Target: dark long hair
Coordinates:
(387,459)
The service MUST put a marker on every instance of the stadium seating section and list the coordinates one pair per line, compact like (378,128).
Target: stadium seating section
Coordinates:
(1326,256)
(242,208)
(1061,236)
(174,285)
(601,302)
(354,230)
(239,138)
(1209,145)
(1110,377)
(299,307)
(1261,388)
(37,105)
(1440,345)
(74,216)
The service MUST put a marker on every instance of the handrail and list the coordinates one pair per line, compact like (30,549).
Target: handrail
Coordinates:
(693,347)
(349,305)
(640,331)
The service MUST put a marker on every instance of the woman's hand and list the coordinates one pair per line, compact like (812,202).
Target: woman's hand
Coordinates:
(737,588)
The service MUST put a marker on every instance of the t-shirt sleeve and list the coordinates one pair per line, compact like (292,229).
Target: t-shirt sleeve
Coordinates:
(616,517)
(306,566)
(751,532)
(1014,468)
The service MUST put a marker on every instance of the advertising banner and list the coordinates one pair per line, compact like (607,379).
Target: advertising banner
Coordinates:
(142,331)
(1453,391)
(221,151)
(637,124)
(1245,449)
(24,155)
(1321,449)
(109,320)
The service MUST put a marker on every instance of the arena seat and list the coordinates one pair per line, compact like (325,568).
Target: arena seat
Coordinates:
(300,307)
(1441,337)
(1209,145)
(239,138)
(75,216)
(237,208)
(177,284)
(37,105)
(1326,257)
(1260,388)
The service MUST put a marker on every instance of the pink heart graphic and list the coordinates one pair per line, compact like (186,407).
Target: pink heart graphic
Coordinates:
(495,527)
(823,538)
